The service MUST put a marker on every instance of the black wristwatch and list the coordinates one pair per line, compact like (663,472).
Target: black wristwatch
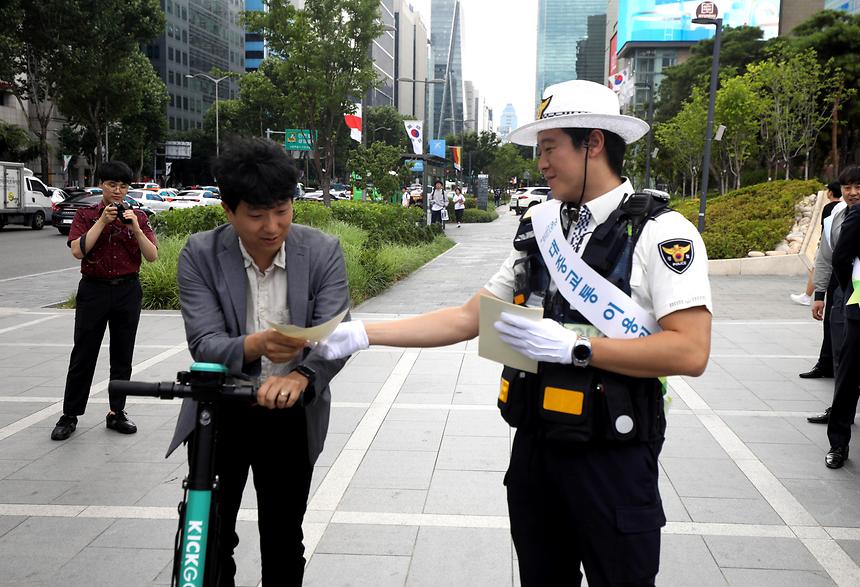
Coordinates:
(307,372)
(581,355)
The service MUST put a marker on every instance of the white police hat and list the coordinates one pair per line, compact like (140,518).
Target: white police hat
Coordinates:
(580,104)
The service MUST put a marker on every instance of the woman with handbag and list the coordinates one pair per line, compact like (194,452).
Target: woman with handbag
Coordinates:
(438,204)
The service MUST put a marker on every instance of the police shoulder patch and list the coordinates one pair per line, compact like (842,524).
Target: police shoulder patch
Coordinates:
(677,254)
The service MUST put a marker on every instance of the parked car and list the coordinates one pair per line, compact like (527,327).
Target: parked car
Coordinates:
(146,185)
(156,202)
(65,211)
(212,188)
(58,195)
(525,198)
(97,191)
(198,197)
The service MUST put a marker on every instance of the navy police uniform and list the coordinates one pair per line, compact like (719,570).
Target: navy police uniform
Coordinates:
(581,489)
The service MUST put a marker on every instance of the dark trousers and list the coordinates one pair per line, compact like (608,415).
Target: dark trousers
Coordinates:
(458,215)
(101,305)
(837,324)
(825,355)
(847,384)
(598,505)
(436,216)
(273,444)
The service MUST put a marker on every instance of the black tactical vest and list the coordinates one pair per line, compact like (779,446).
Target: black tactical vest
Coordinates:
(573,404)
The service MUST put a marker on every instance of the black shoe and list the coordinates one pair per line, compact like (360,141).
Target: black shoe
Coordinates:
(64,428)
(836,457)
(823,418)
(120,423)
(816,373)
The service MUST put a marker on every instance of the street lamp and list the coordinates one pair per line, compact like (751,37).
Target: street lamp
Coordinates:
(710,9)
(215,81)
(373,133)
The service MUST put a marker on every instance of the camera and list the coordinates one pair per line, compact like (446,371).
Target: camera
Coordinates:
(120,209)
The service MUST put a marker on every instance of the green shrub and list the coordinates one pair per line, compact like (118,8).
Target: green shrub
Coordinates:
(158,279)
(475,215)
(188,220)
(386,223)
(311,214)
(756,217)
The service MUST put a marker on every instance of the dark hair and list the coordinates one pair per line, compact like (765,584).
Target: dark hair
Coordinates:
(114,171)
(438,181)
(835,189)
(255,171)
(849,176)
(613,144)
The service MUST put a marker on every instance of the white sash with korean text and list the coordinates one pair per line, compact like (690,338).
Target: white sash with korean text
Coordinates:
(608,308)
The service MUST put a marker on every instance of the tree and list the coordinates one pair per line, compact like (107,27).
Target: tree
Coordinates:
(317,74)
(379,165)
(835,37)
(801,97)
(739,108)
(137,134)
(740,46)
(385,123)
(507,164)
(35,42)
(682,139)
(100,83)
(16,144)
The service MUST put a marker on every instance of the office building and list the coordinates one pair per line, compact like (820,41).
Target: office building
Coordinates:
(562,24)
(446,46)
(382,51)
(410,61)
(508,122)
(589,51)
(199,35)
(255,46)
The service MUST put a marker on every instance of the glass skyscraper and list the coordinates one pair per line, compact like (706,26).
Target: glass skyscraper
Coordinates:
(508,122)
(445,40)
(561,25)
(852,6)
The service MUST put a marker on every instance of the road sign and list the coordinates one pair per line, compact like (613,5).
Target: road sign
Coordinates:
(298,139)
(177,149)
(707,10)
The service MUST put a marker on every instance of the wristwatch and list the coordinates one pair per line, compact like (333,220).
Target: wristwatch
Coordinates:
(307,372)
(581,355)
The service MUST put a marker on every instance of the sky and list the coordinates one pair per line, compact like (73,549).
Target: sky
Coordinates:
(499,45)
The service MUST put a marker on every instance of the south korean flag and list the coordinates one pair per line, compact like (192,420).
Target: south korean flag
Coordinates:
(414,128)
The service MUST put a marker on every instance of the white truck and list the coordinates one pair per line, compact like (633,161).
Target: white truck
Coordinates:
(26,200)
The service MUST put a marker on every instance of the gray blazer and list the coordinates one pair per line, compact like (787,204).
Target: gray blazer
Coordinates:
(212,283)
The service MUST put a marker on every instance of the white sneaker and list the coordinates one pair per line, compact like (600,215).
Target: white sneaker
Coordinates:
(801,298)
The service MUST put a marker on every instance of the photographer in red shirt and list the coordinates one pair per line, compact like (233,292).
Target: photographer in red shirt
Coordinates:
(109,238)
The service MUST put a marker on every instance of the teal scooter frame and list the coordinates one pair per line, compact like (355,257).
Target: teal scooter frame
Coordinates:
(195,563)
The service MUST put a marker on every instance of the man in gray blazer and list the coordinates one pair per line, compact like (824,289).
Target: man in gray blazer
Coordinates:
(234,281)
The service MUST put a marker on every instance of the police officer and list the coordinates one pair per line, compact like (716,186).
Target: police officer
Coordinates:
(582,481)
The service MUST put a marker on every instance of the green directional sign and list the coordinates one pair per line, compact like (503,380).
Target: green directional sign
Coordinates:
(297,139)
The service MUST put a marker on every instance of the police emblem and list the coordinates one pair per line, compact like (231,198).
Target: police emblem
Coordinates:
(677,254)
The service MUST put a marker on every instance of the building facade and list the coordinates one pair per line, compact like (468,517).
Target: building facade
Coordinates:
(446,47)
(410,63)
(255,46)
(382,52)
(561,25)
(589,51)
(507,122)
(199,35)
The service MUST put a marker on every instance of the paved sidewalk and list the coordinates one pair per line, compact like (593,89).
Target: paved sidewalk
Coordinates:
(409,488)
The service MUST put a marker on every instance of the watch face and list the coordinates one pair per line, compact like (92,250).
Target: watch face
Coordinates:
(581,351)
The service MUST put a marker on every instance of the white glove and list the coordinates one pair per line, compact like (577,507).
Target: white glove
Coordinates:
(346,339)
(544,340)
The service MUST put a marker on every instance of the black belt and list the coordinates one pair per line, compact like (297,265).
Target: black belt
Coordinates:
(111,281)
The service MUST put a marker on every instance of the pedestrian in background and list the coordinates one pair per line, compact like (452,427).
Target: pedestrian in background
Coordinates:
(846,269)
(438,202)
(459,205)
(822,291)
(834,194)
(404,197)
(109,238)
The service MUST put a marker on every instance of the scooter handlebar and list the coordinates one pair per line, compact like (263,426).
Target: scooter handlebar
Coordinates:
(172,389)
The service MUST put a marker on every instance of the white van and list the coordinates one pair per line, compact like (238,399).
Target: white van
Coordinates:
(26,200)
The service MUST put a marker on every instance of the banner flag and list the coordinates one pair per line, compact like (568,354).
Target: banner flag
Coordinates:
(354,122)
(415,130)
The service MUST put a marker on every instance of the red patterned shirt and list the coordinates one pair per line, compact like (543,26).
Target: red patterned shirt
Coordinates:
(116,252)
